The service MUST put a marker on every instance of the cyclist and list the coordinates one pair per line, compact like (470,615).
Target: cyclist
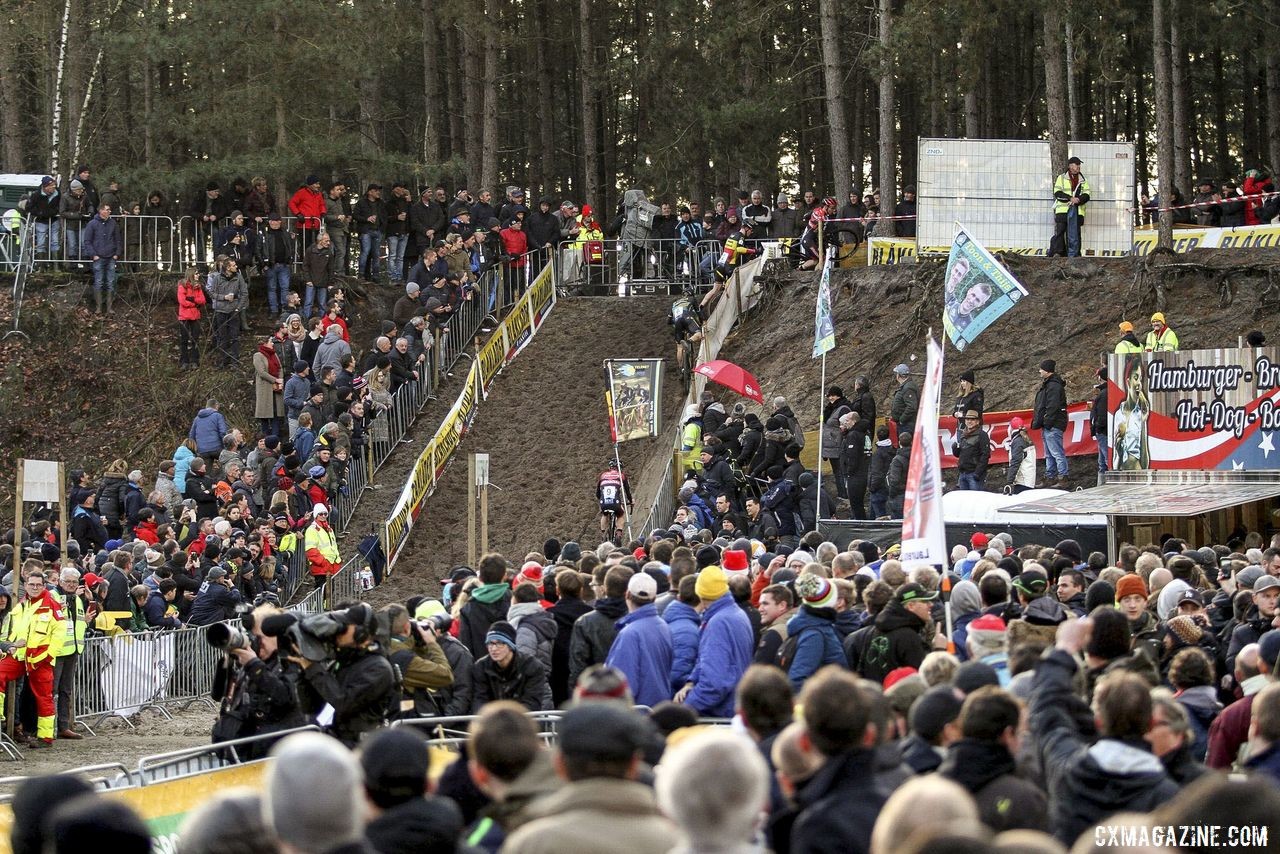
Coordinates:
(817,222)
(736,245)
(613,491)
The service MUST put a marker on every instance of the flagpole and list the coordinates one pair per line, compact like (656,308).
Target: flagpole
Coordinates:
(822,390)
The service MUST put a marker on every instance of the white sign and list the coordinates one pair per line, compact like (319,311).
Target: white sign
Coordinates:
(40,481)
(1003,191)
(482,469)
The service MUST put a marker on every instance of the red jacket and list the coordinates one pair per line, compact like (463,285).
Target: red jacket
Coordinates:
(147,532)
(338,322)
(190,298)
(309,207)
(515,242)
(1229,730)
(1254,186)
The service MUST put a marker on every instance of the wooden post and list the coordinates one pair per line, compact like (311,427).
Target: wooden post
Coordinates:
(17,519)
(471,509)
(64,514)
(484,519)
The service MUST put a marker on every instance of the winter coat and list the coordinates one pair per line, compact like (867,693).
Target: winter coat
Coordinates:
(643,651)
(154,611)
(543,229)
(331,351)
(359,688)
(207,431)
(481,612)
(595,816)
(317,265)
(1021,470)
(190,299)
(87,530)
(214,603)
(566,612)
(896,478)
(535,631)
(906,400)
(771,452)
(221,286)
(793,424)
(1229,732)
(894,642)
(522,680)
(881,458)
(425,825)
(749,441)
(593,635)
(276,247)
(973,452)
(167,487)
(988,771)
(456,699)
(296,391)
(965,402)
(182,458)
(817,644)
(724,654)
(366,208)
(101,238)
(684,624)
(1202,706)
(308,207)
(267,402)
(838,806)
(1051,404)
(1088,781)
(831,430)
(111,496)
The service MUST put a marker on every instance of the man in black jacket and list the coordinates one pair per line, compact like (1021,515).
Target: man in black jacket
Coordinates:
(972,449)
(881,458)
(1090,780)
(1050,417)
(217,599)
(86,525)
(1098,420)
(487,604)
(896,640)
(507,674)
(854,461)
(839,804)
(427,222)
(359,683)
(896,478)
(404,817)
(370,217)
(593,633)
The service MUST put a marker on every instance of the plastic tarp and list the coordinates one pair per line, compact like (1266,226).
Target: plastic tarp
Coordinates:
(1141,499)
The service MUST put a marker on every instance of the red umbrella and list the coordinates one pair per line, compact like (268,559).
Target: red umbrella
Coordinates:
(732,377)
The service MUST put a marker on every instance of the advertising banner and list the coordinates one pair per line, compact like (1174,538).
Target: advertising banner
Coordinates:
(924,537)
(824,328)
(1076,441)
(978,290)
(634,386)
(1194,409)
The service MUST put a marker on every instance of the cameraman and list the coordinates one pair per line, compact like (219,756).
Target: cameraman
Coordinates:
(258,689)
(359,683)
(423,666)
(456,699)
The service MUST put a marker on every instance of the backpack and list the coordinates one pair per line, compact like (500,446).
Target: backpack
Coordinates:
(787,653)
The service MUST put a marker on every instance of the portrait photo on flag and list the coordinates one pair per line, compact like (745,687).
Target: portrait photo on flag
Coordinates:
(979,290)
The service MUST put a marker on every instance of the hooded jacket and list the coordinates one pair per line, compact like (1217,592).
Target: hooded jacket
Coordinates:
(724,654)
(522,680)
(330,351)
(839,805)
(894,642)
(428,825)
(643,651)
(817,644)
(488,604)
(1088,782)
(593,634)
(684,624)
(207,431)
(1051,404)
(896,478)
(988,771)
(535,631)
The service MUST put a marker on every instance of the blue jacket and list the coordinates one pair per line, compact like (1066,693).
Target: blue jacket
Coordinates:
(724,654)
(303,441)
(296,391)
(102,238)
(207,430)
(154,611)
(817,644)
(960,633)
(181,465)
(642,650)
(706,518)
(683,622)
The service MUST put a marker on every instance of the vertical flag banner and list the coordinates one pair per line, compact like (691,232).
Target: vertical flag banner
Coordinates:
(924,540)
(824,329)
(634,396)
(979,290)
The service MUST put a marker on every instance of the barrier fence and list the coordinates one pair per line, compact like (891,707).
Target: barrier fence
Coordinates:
(613,267)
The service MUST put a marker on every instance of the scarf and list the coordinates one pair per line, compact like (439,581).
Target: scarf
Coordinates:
(273,361)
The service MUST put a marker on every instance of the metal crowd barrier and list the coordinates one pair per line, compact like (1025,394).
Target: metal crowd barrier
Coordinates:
(195,240)
(147,242)
(663,508)
(614,267)
(343,503)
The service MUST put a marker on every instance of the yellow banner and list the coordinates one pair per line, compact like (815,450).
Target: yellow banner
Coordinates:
(891,250)
(1261,237)
(1184,239)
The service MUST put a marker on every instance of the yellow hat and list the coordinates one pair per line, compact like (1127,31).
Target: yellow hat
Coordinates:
(1126,326)
(711,584)
(1158,317)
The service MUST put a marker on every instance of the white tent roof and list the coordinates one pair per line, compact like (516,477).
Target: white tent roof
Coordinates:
(964,506)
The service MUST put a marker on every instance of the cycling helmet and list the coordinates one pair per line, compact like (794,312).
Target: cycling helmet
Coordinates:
(746,223)
(613,464)
(828,202)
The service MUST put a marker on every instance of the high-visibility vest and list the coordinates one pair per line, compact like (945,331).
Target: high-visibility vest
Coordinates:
(43,632)
(1126,347)
(1062,184)
(323,541)
(1165,342)
(73,641)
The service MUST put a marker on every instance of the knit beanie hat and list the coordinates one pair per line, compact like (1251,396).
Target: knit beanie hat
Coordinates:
(1130,585)
(501,632)
(936,708)
(815,591)
(711,584)
(313,797)
(735,561)
(530,573)
(1099,593)
(1186,630)
(987,635)
(707,556)
(973,675)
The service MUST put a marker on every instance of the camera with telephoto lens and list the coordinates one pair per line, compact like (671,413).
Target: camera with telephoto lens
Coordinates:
(438,623)
(311,637)
(226,637)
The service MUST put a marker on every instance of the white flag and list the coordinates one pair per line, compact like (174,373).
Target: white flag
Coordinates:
(924,537)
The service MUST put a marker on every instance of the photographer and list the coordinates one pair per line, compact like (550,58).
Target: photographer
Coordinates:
(359,683)
(257,686)
(423,666)
(456,699)
(216,601)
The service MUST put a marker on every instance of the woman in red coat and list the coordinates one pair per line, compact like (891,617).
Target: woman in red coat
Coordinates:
(190,300)
(308,205)
(515,246)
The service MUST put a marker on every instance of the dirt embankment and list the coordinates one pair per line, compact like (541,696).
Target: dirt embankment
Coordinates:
(883,314)
(546,429)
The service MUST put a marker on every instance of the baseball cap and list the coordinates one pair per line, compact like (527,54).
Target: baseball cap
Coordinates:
(1266,582)
(915,593)
(601,731)
(1126,326)
(642,587)
(902,369)
(1191,595)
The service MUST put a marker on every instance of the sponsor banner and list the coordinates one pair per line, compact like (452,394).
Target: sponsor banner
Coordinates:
(979,290)
(891,250)
(824,328)
(924,536)
(633,387)
(1076,440)
(1195,409)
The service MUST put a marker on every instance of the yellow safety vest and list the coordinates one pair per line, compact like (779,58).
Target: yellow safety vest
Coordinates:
(73,641)
(691,446)
(1125,347)
(322,540)
(1165,342)
(36,625)
(1062,184)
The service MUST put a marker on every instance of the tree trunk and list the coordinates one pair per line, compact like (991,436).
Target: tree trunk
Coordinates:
(1221,149)
(972,117)
(55,130)
(545,157)
(489,125)
(1164,118)
(472,99)
(1273,87)
(432,106)
(888,131)
(77,76)
(1054,92)
(453,92)
(1073,102)
(10,126)
(1181,120)
(837,127)
(587,72)
(857,132)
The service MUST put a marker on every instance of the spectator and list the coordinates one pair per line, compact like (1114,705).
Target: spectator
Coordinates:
(684,623)
(413,649)
(231,820)
(896,640)
(812,642)
(642,648)
(229,294)
(1050,417)
(370,217)
(487,604)
(972,449)
(724,648)
(309,208)
(510,766)
(505,674)
(1170,738)
(312,797)
(103,246)
(906,400)
(593,633)
(714,785)
(905,212)
(403,816)
(603,808)
(216,601)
